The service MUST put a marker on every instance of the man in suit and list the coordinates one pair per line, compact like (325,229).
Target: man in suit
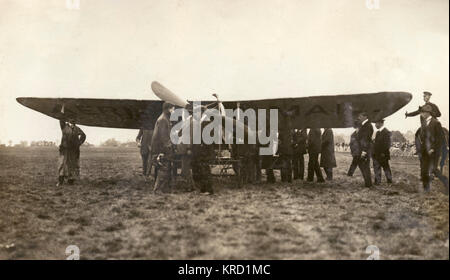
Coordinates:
(314,149)
(364,139)
(327,156)
(354,150)
(381,154)
(431,143)
(298,160)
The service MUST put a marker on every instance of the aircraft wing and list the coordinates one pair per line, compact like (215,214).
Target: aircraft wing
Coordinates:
(333,111)
(115,113)
(338,111)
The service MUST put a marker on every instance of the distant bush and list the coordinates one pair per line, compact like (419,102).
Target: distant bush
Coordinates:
(397,136)
(110,143)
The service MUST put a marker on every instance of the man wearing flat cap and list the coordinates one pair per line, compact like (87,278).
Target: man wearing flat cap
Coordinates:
(430,137)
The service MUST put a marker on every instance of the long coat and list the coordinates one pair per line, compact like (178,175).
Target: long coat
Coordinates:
(327,157)
(382,145)
(314,141)
(354,144)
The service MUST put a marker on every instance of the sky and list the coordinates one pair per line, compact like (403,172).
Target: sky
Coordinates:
(250,49)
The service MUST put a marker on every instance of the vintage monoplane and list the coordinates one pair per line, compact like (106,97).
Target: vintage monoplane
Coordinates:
(331,111)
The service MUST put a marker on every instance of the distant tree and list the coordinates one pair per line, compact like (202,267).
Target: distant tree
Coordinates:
(9,143)
(397,136)
(111,143)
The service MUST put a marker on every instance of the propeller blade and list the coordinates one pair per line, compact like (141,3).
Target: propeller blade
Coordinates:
(168,96)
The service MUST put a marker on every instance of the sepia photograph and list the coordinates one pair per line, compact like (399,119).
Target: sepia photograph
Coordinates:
(224,130)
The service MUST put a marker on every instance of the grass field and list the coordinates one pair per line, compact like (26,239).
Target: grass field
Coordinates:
(111,213)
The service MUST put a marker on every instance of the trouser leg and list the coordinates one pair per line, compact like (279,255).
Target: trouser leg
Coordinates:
(316,168)
(258,169)
(296,166)
(329,173)
(145,163)
(353,166)
(301,166)
(387,171)
(377,171)
(364,166)
(310,168)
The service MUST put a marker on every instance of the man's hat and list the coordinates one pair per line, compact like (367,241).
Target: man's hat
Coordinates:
(426,108)
(427,93)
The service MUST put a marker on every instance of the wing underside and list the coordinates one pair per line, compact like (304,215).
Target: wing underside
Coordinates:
(337,111)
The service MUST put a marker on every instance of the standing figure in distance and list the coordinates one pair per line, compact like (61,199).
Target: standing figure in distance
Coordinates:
(327,156)
(431,143)
(381,153)
(69,152)
(144,140)
(298,160)
(314,148)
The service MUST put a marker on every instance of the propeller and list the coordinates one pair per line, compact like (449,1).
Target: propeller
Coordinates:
(166,95)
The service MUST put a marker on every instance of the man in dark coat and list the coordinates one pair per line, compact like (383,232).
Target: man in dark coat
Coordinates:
(327,156)
(69,152)
(381,154)
(431,143)
(144,140)
(162,148)
(355,151)
(364,139)
(314,148)
(300,138)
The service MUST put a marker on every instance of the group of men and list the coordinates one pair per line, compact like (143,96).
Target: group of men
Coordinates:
(293,148)
(158,154)
(430,144)
(157,151)
(363,149)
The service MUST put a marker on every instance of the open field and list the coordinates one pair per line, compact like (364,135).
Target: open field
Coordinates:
(111,213)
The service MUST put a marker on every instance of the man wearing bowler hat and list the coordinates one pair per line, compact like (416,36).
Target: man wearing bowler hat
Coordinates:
(430,137)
